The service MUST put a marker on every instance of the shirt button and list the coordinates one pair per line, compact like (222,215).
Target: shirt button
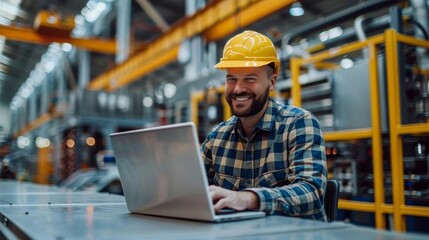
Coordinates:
(249,164)
(248,181)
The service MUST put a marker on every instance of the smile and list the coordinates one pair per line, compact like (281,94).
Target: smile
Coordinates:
(242,98)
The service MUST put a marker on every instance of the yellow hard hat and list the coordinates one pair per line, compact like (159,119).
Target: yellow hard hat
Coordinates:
(249,49)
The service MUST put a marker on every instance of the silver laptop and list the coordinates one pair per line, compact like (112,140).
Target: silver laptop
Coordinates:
(162,173)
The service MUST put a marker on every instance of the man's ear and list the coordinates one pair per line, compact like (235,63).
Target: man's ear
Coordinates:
(273,81)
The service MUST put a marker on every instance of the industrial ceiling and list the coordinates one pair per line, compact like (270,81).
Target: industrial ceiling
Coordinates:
(18,59)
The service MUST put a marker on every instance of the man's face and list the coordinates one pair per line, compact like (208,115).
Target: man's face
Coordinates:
(247,89)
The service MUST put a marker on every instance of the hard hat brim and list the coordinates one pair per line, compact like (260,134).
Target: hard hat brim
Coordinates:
(239,64)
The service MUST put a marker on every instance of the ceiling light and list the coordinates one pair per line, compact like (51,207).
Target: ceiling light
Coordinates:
(296,10)
(330,34)
(49,66)
(70,143)
(90,141)
(66,47)
(22,142)
(79,20)
(169,90)
(147,102)
(42,142)
(25,90)
(93,11)
(335,32)
(346,63)
(102,99)
(123,102)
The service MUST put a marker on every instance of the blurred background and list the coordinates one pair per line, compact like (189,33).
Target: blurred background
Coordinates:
(74,71)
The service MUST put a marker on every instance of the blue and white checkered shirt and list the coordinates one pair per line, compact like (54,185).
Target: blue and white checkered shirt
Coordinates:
(284,161)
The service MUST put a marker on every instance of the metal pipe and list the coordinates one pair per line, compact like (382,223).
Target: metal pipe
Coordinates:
(358,24)
(370,26)
(333,19)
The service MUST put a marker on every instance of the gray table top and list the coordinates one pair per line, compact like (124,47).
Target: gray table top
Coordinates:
(115,222)
(84,215)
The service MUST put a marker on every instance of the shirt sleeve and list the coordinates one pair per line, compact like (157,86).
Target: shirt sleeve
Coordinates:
(307,173)
(207,158)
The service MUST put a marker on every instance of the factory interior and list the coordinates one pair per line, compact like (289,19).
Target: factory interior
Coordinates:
(72,72)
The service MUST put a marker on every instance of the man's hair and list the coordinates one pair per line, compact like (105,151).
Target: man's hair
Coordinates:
(271,69)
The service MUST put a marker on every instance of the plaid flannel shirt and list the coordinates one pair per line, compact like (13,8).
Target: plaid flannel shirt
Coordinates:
(284,161)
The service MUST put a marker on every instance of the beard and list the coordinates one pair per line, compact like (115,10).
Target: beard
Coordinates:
(256,106)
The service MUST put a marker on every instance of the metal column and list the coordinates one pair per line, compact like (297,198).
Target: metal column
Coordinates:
(123,23)
(195,47)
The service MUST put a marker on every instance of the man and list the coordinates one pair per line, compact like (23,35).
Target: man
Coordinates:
(267,157)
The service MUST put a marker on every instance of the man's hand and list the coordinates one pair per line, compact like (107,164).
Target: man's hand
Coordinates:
(224,198)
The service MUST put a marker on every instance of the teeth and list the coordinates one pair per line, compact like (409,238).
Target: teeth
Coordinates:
(241,98)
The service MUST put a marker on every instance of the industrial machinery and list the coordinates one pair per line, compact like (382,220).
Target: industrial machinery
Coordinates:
(370,97)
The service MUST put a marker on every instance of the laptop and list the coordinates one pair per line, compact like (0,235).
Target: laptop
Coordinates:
(162,174)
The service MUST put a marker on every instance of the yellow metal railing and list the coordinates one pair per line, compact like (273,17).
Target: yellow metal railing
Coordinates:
(390,39)
(397,129)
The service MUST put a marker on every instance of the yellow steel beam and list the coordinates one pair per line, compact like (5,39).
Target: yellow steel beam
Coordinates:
(356,206)
(257,10)
(377,145)
(347,48)
(315,48)
(387,208)
(202,21)
(327,65)
(28,35)
(415,211)
(365,206)
(295,64)
(412,41)
(395,120)
(196,97)
(348,134)
(131,74)
(414,128)
(226,109)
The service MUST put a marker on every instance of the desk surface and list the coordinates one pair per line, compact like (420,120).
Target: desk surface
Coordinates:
(82,215)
